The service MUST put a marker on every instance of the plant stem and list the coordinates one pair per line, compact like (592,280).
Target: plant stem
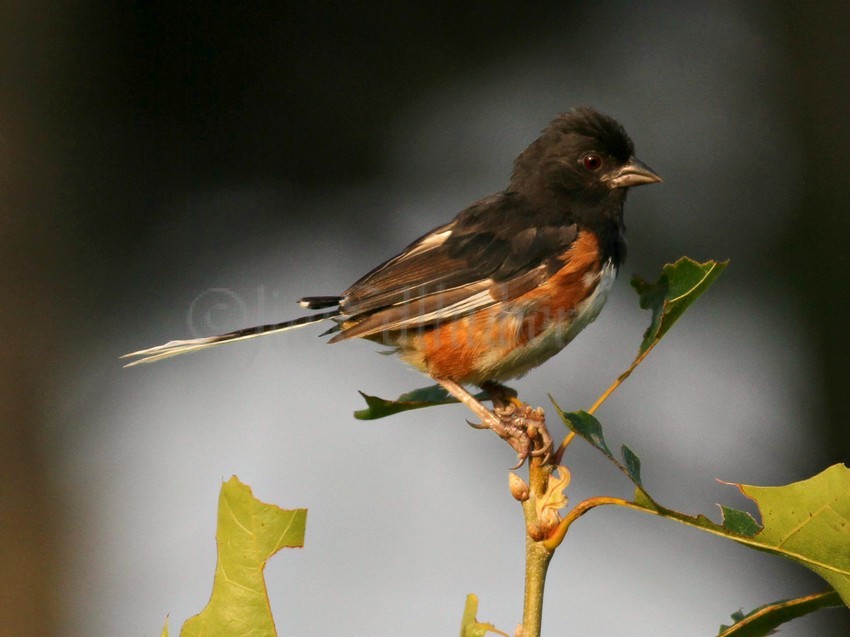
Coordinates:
(537,556)
(537,559)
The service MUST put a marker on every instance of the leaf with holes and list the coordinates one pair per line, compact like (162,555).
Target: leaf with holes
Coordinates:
(809,522)
(679,285)
(249,533)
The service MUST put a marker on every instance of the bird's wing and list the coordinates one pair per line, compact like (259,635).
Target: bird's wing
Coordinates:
(490,253)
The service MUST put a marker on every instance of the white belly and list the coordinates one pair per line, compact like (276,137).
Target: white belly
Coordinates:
(558,335)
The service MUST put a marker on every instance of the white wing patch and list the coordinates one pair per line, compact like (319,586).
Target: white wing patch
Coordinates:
(429,243)
(469,304)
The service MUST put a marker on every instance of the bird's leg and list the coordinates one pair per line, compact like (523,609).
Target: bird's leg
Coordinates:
(503,427)
(517,424)
(501,395)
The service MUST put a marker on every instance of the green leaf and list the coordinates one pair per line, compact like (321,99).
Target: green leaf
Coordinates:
(632,465)
(809,522)
(249,533)
(470,626)
(739,522)
(679,285)
(735,523)
(589,428)
(763,620)
(416,399)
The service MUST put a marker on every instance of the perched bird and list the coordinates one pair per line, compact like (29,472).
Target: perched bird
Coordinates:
(506,284)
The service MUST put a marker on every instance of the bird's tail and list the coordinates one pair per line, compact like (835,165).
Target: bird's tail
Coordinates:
(175,348)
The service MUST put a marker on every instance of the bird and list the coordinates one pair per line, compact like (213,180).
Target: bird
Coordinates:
(502,287)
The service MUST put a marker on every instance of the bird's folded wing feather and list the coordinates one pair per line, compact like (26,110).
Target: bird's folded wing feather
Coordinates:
(481,258)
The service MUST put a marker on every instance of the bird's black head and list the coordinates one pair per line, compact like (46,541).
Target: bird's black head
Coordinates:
(582,155)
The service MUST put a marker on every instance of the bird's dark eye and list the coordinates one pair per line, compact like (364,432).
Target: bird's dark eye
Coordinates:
(592,162)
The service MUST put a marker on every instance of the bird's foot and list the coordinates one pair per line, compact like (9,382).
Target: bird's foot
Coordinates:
(523,428)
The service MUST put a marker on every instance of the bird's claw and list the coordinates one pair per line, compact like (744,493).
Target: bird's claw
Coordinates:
(523,428)
(518,464)
(544,452)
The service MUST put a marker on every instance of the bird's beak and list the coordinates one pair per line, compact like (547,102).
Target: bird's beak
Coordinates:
(635,173)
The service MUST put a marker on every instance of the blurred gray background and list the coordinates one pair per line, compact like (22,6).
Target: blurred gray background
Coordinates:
(171,169)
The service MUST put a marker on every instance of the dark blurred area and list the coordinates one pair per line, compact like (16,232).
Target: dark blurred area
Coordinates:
(111,112)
